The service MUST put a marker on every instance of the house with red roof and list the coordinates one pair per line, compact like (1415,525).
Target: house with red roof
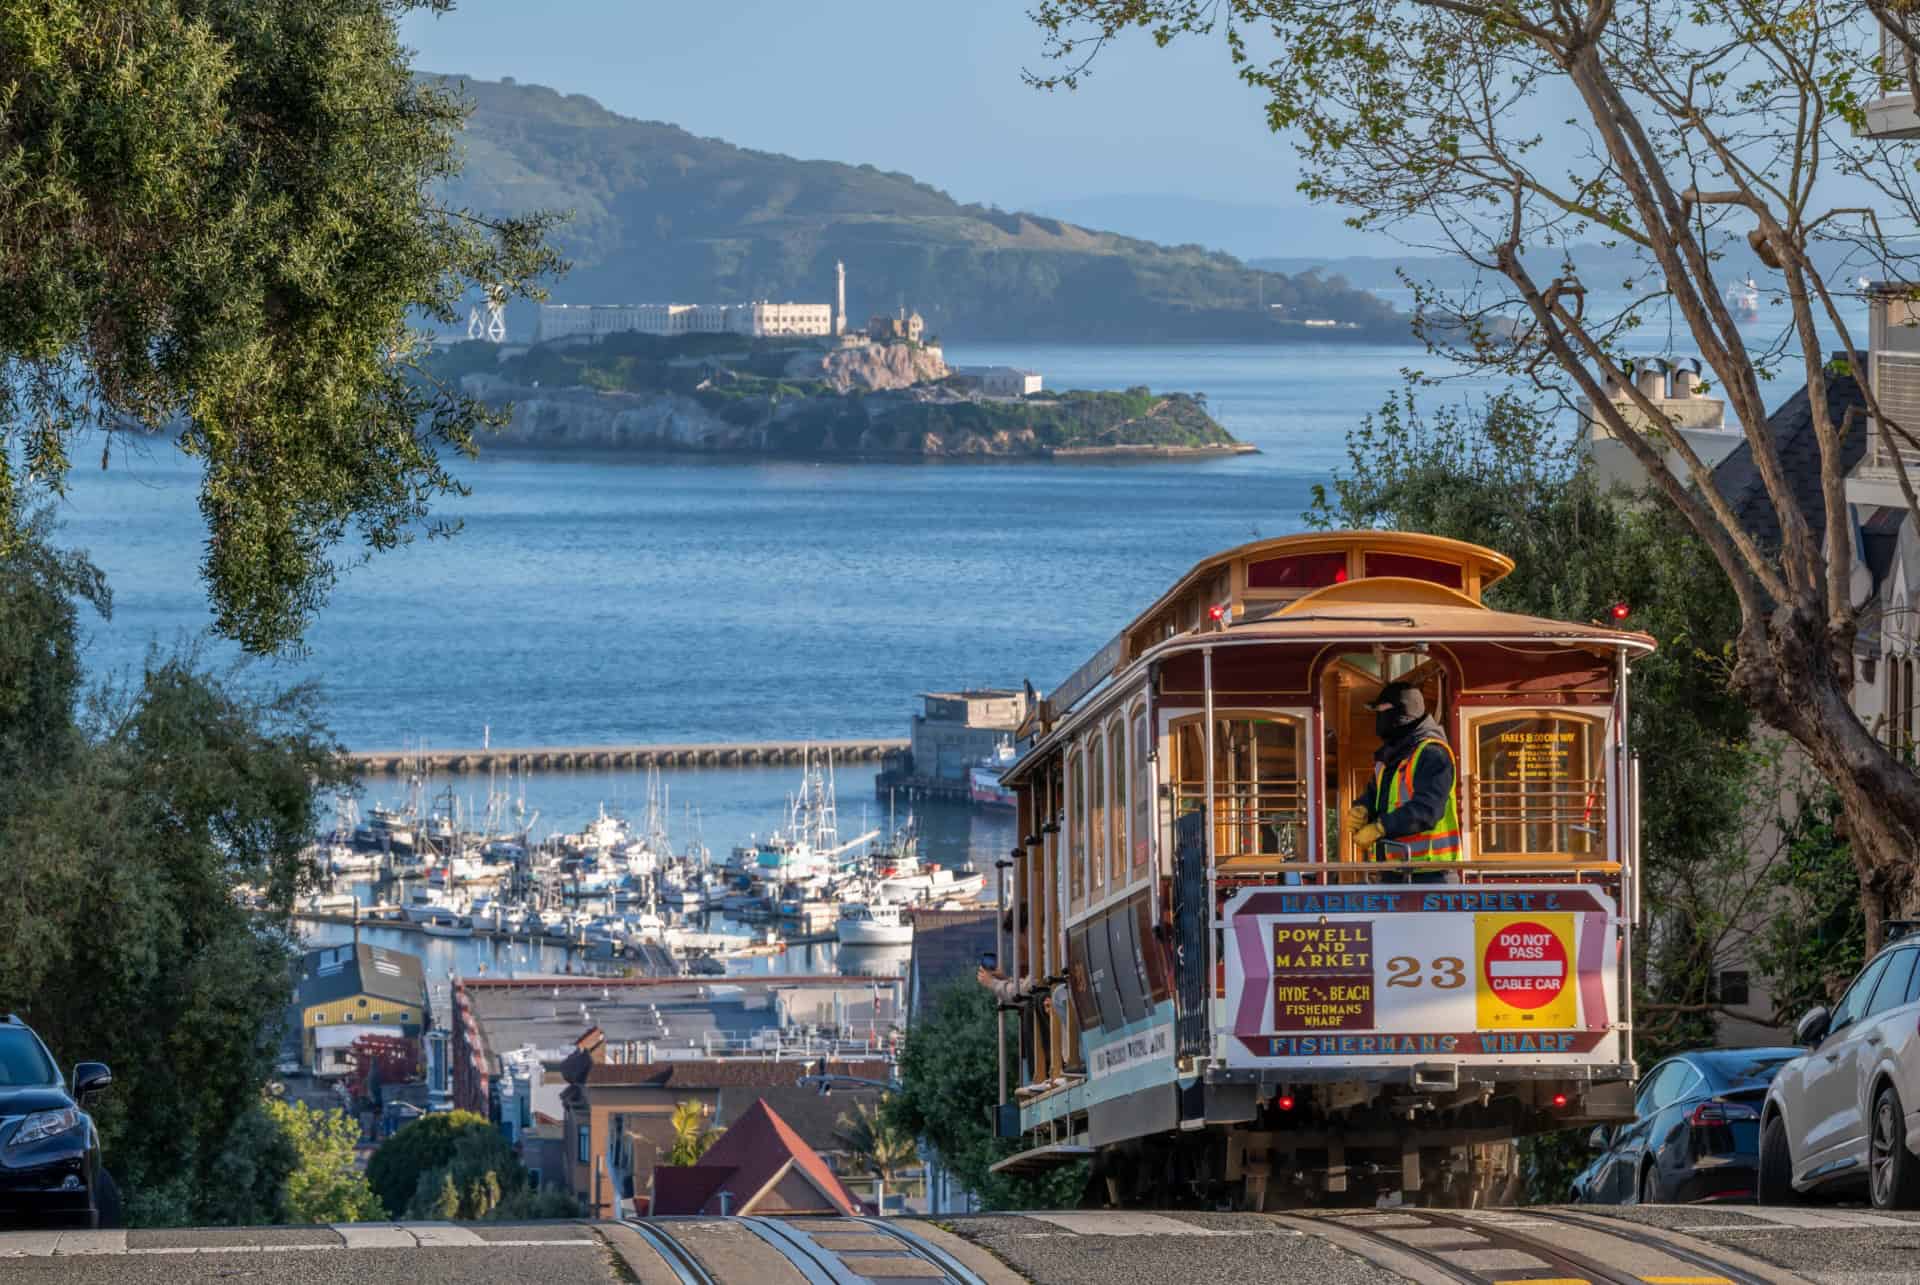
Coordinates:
(759,1166)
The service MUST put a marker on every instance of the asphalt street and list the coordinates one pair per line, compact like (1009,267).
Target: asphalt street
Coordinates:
(1660,1245)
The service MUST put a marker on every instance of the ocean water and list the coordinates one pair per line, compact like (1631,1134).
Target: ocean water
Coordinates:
(646,598)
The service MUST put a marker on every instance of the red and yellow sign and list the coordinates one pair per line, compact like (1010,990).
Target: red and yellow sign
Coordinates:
(1526,973)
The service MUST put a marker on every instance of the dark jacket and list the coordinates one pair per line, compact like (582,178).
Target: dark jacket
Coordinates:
(1433,780)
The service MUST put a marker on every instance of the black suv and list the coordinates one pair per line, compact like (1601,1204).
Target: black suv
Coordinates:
(49,1150)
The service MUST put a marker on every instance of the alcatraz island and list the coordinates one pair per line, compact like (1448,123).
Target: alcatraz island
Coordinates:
(794,379)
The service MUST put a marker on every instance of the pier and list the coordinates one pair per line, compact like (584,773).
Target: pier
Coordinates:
(575,757)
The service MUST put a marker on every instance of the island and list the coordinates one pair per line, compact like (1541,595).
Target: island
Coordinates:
(726,393)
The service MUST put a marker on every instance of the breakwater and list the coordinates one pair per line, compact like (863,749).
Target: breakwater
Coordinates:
(563,757)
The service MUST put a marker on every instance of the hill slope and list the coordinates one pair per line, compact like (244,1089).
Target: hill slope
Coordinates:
(660,214)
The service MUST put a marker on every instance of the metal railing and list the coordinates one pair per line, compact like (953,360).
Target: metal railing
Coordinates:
(1267,818)
(1527,818)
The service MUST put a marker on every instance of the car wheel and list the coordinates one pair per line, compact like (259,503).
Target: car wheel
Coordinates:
(1649,1184)
(1893,1171)
(1775,1183)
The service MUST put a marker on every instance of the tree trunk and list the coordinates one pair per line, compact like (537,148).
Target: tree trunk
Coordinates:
(1798,680)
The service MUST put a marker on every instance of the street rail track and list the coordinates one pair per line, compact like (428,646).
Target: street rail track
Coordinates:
(1505,1230)
(679,1259)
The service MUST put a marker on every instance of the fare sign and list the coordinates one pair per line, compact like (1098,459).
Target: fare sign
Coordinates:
(1526,970)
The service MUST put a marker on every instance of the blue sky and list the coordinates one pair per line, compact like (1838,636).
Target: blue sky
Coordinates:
(929,87)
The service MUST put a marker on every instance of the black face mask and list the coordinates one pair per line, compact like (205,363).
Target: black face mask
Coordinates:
(1385,723)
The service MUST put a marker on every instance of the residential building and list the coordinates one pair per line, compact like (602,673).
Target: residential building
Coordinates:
(998,381)
(955,730)
(902,327)
(1674,389)
(346,992)
(618,1115)
(759,1166)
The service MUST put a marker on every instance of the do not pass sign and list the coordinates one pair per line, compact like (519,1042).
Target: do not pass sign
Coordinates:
(1526,971)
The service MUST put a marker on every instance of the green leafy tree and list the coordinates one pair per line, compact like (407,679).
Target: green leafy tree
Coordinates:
(878,1144)
(128,817)
(417,1149)
(693,1134)
(949,1075)
(218,219)
(323,1186)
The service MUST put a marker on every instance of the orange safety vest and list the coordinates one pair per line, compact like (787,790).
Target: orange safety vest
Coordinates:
(1442,842)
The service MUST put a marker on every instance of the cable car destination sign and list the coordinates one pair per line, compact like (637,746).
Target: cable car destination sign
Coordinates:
(1365,975)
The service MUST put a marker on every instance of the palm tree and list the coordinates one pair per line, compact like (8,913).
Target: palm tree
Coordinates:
(877,1145)
(691,1134)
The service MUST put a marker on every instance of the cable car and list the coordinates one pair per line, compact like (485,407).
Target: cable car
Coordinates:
(1223,995)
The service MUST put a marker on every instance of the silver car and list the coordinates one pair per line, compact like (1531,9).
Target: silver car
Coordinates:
(1847,1111)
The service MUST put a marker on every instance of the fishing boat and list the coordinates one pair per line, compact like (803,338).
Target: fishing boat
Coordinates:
(1743,300)
(443,922)
(878,923)
(983,778)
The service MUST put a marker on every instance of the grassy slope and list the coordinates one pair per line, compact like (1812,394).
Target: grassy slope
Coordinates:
(658,213)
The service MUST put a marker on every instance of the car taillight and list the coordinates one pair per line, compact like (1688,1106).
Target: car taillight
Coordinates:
(1721,1113)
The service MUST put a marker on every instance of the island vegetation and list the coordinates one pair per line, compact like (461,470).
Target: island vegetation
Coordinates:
(729,393)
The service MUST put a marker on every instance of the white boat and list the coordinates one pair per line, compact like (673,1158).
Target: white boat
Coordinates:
(342,859)
(878,923)
(423,904)
(442,922)
(983,777)
(463,869)
(933,883)
(326,902)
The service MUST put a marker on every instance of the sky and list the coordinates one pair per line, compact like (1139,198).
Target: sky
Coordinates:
(928,87)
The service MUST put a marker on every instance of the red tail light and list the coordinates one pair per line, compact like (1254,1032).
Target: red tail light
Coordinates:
(1708,1113)
(1559,1100)
(1285,1102)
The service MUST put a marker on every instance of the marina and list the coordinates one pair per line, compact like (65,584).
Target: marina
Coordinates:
(574,757)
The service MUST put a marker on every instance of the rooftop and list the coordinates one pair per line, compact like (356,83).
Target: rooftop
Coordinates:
(338,972)
(653,1019)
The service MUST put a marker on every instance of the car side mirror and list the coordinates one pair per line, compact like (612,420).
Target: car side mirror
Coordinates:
(1812,1028)
(91,1077)
(1600,1139)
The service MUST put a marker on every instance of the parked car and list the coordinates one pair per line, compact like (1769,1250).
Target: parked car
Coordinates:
(1846,1112)
(1695,1135)
(50,1167)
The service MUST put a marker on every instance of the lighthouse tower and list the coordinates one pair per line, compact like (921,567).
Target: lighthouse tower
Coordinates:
(840,298)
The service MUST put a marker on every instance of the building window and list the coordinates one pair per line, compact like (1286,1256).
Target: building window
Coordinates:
(585,1144)
(362,1003)
(1734,987)
(1259,789)
(319,1018)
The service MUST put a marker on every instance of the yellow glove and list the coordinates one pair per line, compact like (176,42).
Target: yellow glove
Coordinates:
(1357,815)
(1368,835)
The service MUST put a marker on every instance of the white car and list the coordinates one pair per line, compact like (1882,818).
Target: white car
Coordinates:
(1847,1111)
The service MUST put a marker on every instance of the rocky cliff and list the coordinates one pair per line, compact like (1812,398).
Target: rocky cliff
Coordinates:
(870,367)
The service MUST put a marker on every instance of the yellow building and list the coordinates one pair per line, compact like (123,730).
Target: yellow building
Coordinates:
(345,992)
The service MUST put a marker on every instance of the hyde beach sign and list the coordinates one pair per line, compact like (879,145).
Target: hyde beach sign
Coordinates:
(1364,975)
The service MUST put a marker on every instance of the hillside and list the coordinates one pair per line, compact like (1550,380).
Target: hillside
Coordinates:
(660,214)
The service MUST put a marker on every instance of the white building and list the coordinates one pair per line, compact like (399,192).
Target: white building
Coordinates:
(1000,381)
(758,319)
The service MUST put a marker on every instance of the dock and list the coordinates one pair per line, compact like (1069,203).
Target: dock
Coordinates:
(524,758)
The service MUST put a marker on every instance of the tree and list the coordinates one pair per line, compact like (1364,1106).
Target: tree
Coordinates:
(218,219)
(1698,137)
(128,818)
(418,1148)
(949,1084)
(693,1136)
(877,1143)
(323,1186)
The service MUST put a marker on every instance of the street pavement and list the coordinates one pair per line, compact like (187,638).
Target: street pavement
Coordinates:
(1657,1245)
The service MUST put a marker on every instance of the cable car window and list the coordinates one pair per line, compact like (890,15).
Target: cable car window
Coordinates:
(1301,571)
(1259,790)
(1142,791)
(1412,568)
(1117,800)
(1080,978)
(1152,950)
(1076,830)
(1096,815)
(1539,785)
